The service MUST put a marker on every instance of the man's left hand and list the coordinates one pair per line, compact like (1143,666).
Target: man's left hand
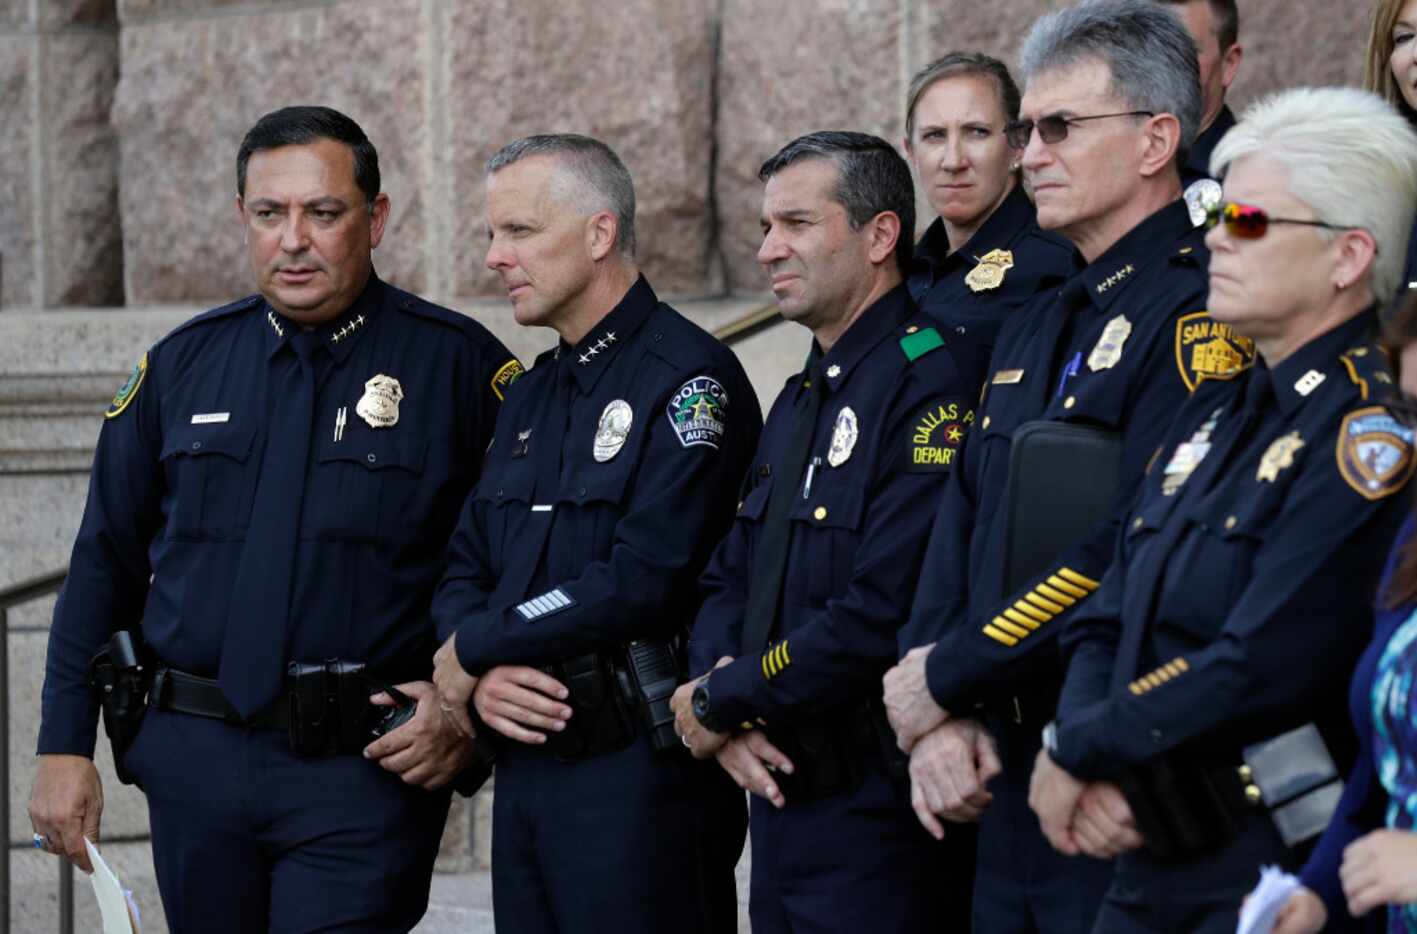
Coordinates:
(428,750)
(703,743)
(1053,794)
(455,686)
(1380,869)
(910,707)
(1103,825)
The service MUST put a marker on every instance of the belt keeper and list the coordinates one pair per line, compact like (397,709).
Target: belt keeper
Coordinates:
(157,694)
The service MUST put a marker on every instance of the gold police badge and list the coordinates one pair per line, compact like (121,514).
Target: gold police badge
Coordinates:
(1207,349)
(989,274)
(1279,456)
(1109,346)
(379,406)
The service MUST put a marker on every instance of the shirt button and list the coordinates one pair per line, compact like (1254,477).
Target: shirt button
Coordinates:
(196,445)
(819,513)
(1230,523)
(984,424)
(1136,523)
(582,492)
(1156,736)
(370,457)
(499,494)
(1069,402)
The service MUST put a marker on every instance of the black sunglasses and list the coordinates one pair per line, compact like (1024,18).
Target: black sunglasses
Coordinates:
(1247,222)
(1054,128)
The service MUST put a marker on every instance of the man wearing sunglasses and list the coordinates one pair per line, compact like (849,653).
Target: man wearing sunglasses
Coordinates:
(1111,103)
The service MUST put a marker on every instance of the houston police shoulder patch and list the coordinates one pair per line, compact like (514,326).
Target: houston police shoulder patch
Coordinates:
(1207,349)
(1374,452)
(505,376)
(698,411)
(936,432)
(128,390)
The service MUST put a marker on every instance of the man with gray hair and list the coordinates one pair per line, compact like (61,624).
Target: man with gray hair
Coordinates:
(571,585)
(1084,384)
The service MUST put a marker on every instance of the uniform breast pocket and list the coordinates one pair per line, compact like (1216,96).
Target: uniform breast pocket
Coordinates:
(1214,561)
(600,493)
(365,488)
(827,529)
(212,474)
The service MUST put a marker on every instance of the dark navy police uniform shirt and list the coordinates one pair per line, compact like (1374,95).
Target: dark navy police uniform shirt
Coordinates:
(1007,262)
(1242,590)
(1120,347)
(898,401)
(174,480)
(641,434)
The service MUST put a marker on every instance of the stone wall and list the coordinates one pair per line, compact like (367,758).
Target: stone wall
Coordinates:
(116,179)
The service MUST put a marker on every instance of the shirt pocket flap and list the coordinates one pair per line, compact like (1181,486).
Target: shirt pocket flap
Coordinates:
(200,440)
(378,452)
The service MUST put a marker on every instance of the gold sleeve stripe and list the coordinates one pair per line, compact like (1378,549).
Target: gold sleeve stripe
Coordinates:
(1135,689)
(1056,596)
(1027,610)
(786,658)
(1182,664)
(1154,679)
(1086,582)
(999,636)
(1027,622)
(766,675)
(1043,604)
(1070,589)
(1010,628)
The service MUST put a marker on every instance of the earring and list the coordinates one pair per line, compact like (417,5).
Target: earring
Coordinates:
(1014,167)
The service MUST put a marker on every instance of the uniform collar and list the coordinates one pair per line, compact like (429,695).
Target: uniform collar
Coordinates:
(592,354)
(1198,159)
(338,335)
(1014,213)
(1302,375)
(1147,242)
(874,325)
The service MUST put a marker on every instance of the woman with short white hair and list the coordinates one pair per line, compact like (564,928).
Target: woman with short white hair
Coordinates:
(1202,726)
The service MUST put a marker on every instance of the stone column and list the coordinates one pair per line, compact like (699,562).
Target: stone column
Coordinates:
(59,242)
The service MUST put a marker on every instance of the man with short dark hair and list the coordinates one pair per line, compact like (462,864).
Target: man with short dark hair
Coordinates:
(807,592)
(271,497)
(1084,385)
(572,578)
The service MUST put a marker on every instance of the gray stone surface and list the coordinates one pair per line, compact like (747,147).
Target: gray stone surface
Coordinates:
(34,878)
(58,14)
(640,79)
(189,90)
(18,243)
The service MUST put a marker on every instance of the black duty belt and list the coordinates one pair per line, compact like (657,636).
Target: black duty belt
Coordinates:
(201,697)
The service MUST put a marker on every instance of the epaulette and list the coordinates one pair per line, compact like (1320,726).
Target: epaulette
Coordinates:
(215,314)
(1189,255)
(412,304)
(917,342)
(674,338)
(1366,364)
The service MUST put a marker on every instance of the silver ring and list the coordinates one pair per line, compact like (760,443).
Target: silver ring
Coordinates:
(685,741)
(41,841)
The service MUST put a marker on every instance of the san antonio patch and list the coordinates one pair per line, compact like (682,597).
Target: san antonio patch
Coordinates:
(697,411)
(936,433)
(1374,452)
(128,390)
(1207,349)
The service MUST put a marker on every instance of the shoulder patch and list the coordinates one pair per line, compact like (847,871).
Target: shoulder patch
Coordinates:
(1374,452)
(920,343)
(698,412)
(128,390)
(505,376)
(936,432)
(1207,349)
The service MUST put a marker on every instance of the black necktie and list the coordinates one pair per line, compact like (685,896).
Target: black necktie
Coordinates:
(257,625)
(765,585)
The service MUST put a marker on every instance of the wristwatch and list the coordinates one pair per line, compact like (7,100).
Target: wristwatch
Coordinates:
(702,706)
(1050,738)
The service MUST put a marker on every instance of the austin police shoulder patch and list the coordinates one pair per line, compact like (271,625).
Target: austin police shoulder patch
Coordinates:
(505,376)
(936,432)
(1374,452)
(698,411)
(1207,349)
(128,390)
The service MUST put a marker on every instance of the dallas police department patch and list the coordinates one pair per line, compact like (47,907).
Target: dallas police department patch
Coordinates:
(1207,349)
(506,376)
(128,390)
(936,433)
(698,411)
(1374,452)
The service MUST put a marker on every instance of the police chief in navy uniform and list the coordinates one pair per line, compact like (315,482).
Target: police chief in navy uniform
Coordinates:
(1110,102)
(572,578)
(275,484)
(806,593)
(984,256)
(1243,585)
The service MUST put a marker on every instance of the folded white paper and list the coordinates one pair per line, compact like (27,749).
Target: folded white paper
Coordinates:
(1265,903)
(115,903)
